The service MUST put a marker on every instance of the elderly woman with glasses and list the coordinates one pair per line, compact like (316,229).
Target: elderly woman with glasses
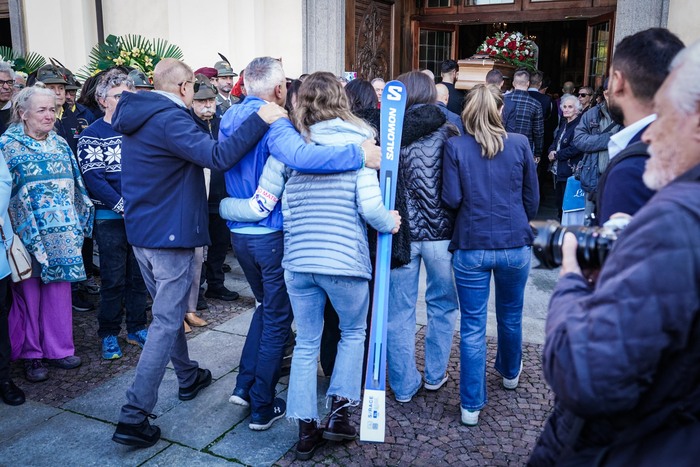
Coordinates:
(51,212)
(99,156)
(563,155)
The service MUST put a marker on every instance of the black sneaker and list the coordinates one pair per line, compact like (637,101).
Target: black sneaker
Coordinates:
(140,435)
(203,380)
(261,422)
(221,293)
(202,303)
(80,303)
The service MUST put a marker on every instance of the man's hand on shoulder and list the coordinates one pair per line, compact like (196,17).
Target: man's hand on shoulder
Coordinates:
(373,154)
(271,112)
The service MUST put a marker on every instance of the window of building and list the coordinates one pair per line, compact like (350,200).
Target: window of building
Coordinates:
(599,47)
(433,48)
(488,2)
(439,3)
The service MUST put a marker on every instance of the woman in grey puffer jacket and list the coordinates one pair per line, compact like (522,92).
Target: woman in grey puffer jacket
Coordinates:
(325,253)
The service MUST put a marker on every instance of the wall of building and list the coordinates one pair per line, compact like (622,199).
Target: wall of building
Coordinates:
(683,19)
(239,29)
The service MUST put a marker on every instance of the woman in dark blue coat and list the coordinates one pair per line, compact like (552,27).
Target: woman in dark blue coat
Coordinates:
(562,153)
(490,177)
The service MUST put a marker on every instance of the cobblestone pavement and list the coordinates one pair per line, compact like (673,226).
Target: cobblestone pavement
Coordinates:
(425,431)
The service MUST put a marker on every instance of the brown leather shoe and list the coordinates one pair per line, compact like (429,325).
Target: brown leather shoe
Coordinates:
(310,438)
(188,329)
(193,320)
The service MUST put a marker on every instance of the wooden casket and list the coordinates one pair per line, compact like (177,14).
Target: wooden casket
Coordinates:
(473,70)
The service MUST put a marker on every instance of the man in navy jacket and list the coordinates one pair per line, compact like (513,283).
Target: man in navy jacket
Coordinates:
(638,68)
(166,217)
(623,355)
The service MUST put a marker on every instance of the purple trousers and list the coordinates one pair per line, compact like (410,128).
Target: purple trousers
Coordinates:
(41,320)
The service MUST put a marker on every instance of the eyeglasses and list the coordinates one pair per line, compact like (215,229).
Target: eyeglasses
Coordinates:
(7,83)
(18,86)
(195,84)
(583,94)
(116,96)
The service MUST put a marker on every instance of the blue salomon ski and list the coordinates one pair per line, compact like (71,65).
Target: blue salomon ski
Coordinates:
(373,417)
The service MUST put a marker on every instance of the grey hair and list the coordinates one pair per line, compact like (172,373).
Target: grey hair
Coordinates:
(521,78)
(262,75)
(23,100)
(112,79)
(6,68)
(685,92)
(376,80)
(574,99)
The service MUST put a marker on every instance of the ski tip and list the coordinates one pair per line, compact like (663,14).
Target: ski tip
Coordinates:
(373,417)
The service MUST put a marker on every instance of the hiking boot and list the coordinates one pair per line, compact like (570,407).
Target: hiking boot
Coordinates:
(140,435)
(138,337)
(260,422)
(110,348)
(35,371)
(202,381)
(239,397)
(339,427)
(66,363)
(221,293)
(310,438)
(80,303)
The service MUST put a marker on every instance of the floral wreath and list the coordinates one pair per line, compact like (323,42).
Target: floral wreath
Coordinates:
(27,63)
(131,51)
(511,47)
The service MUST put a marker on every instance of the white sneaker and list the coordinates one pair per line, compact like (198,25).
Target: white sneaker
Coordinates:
(470,417)
(438,385)
(513,383)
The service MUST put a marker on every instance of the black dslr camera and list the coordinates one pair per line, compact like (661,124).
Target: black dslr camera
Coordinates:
(594,243)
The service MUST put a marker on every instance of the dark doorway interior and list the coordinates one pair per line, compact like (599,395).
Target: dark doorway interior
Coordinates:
(562,46)
(5,33)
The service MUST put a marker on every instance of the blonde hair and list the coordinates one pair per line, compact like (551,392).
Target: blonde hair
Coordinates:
(482,118)
(321,97)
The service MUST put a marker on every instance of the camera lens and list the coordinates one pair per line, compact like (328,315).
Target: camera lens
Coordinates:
(594,244)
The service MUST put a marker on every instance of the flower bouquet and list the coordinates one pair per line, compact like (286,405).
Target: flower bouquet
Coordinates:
(511,47)
(129,51)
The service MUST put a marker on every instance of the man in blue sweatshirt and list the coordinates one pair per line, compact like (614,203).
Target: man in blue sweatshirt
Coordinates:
(166,218)
(259,246)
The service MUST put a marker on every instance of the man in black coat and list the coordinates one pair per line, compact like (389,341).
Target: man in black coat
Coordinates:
(449,70)
(549,111)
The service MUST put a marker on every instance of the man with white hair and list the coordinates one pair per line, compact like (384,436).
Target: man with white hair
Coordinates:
(623,355)
(259,245)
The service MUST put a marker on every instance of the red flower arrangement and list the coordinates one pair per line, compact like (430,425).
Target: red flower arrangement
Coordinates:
(511,47)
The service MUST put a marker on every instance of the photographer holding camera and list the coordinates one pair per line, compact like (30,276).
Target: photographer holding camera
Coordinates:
(623,355)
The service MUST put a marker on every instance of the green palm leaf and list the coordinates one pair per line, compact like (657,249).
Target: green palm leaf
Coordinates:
(26,63)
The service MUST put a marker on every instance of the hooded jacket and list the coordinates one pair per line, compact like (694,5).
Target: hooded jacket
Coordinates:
(163,153)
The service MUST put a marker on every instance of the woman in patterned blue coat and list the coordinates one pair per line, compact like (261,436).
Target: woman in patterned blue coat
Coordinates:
(51,212)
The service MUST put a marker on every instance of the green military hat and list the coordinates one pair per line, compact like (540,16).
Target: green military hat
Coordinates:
(139,79)
(51,74)
(73,83)
(206,89)
(223,68)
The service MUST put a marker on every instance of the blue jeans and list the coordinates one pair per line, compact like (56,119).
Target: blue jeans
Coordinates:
(168,274)
(473,269)
(441,302)
(122,282)
(260,257)
(350,298)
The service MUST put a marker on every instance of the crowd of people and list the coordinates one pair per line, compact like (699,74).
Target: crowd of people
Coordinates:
(285,173)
